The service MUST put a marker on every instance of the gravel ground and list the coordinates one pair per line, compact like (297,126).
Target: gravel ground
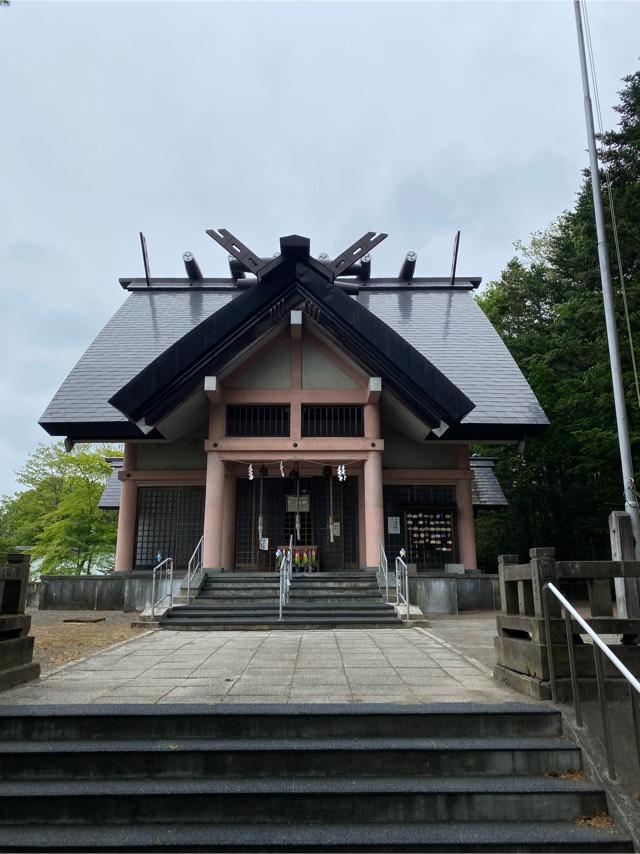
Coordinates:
(59,643)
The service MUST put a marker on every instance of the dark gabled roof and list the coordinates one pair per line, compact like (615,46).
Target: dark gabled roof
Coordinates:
(162,385)
(110,498)
(442,323)
(485,486)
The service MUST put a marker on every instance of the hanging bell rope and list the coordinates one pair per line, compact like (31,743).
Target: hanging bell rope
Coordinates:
(263,474)
(328,474)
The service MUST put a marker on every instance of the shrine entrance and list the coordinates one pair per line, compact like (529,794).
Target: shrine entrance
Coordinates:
(317,499)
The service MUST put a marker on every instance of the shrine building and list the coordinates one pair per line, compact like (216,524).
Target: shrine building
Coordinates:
(299,397)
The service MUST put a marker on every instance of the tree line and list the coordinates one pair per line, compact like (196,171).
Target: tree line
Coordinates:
(547,306)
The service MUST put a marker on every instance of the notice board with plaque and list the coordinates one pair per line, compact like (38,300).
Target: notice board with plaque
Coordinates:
(430,535)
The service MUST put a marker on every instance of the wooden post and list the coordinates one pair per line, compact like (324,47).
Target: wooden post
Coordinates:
(622,548)
(543,570)
(508,590)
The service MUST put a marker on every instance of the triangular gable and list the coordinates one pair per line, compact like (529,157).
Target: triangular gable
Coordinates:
(207,348)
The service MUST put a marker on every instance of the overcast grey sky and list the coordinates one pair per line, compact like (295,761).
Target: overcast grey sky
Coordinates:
(325,119)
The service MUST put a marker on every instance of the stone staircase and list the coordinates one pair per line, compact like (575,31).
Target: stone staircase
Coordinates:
(316,600)
(456,777)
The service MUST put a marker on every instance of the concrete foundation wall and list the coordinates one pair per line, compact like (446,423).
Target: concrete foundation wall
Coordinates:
(449,594)
(118,592)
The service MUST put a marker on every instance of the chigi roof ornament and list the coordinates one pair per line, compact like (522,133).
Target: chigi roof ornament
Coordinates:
(354,261)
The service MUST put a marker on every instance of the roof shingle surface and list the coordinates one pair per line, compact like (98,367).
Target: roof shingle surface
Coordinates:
(445,325)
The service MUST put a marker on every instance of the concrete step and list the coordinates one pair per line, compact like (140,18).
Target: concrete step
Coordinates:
(238,593)
(261,576)
(298,592)
(521,836)
(237,757)
(273,721)
(273,613)
(262,624)
(181,777)
(397,799)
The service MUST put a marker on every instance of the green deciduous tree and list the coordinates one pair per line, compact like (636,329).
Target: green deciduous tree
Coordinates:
(56,514)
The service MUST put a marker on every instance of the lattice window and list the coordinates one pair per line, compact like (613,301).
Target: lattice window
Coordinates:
(258,420)
(430,500)
(332,421)
(170,521)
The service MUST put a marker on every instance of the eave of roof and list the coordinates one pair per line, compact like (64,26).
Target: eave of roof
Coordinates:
(173,375)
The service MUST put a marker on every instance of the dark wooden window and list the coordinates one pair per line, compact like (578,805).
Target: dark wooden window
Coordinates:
(430,501)
(332,421)
(170,522)
(257,420)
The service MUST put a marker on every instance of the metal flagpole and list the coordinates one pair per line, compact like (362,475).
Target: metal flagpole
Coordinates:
(630,501)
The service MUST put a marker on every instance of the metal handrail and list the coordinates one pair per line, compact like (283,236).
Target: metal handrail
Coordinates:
(286,570)
(194,565)
(383,570)
(599,649)
(164,567)
(402,583)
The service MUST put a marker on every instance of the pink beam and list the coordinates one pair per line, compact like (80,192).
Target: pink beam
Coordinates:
(328,396)
(402,476)
(291,447)
(168,478)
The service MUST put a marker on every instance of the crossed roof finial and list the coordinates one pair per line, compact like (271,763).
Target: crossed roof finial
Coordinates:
(258,266)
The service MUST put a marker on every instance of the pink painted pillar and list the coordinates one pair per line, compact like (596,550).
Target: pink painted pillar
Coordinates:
(373,510)
(362,532)
(372,420)
(229,523)
(213,512)
(125,542)
(464,502)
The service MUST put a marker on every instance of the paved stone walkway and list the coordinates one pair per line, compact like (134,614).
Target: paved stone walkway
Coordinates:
(284,666)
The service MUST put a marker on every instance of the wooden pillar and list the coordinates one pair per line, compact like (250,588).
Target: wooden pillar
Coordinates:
(372,420)
(125,543)
(464,502)
(466,529)
(214,494)
(373,506)
(229,523)
(362,529)
(213,512)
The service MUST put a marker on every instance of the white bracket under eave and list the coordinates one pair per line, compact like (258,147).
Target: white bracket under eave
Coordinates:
(212,389)
(440,429)
(296,324)
(375,389)
(144,427)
